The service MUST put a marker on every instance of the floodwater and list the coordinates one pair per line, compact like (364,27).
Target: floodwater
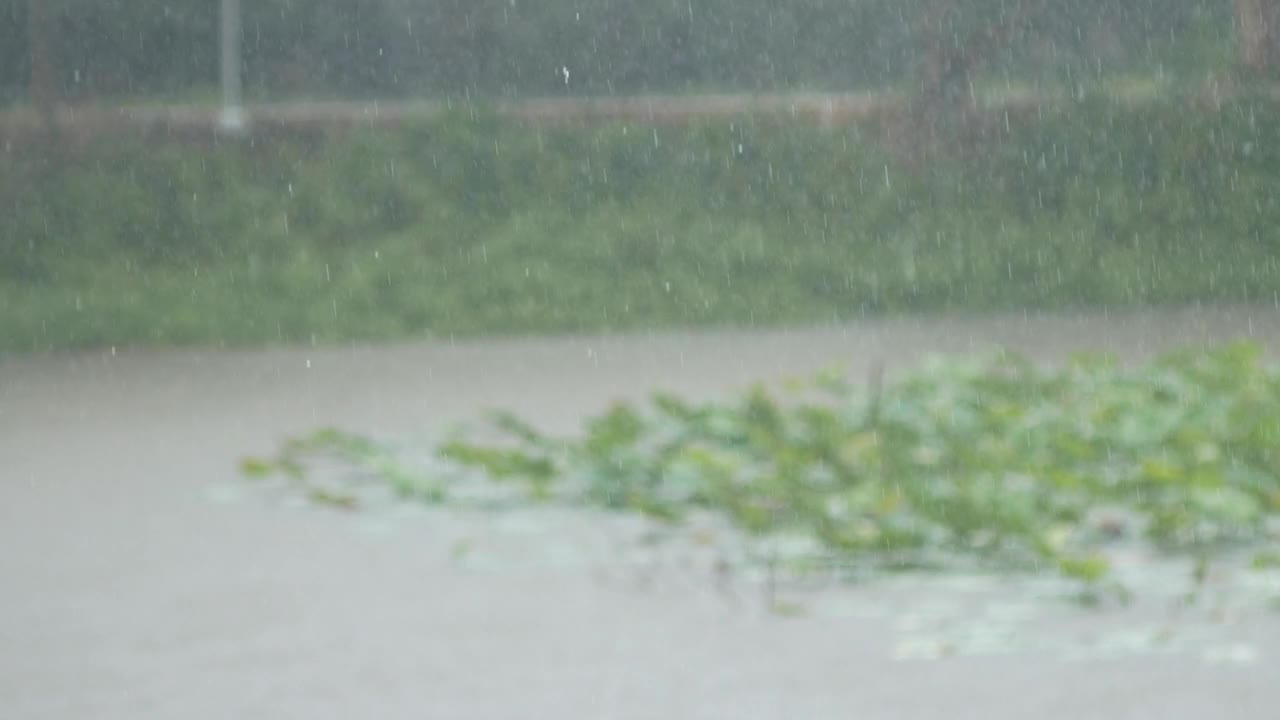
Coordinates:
(143,578)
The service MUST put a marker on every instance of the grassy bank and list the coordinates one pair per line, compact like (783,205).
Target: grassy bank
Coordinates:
(468,225)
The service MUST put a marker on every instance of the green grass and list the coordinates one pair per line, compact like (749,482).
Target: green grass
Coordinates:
(468,225)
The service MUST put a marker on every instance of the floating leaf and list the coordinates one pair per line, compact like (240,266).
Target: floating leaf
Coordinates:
(991,459)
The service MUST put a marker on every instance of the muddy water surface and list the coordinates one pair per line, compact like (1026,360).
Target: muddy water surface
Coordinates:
(140,577)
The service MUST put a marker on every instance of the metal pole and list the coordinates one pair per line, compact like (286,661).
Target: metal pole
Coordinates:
(233,116)
(43,87)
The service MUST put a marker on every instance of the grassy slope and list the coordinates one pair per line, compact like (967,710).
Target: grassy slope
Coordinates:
(467,225)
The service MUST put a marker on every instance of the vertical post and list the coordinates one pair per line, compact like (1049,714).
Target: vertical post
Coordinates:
(233,116)
(43,88)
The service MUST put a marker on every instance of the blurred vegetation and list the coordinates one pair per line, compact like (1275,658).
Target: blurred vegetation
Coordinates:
(132,48)
(469,225)
(988,460)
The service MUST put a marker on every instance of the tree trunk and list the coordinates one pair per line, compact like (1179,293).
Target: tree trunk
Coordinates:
(944,116)
(1258,28)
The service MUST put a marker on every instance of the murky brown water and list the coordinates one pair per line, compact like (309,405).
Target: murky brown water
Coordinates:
(142,579)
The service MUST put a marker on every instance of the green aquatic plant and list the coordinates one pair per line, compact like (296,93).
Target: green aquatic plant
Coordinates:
(991,460)
(377,462)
